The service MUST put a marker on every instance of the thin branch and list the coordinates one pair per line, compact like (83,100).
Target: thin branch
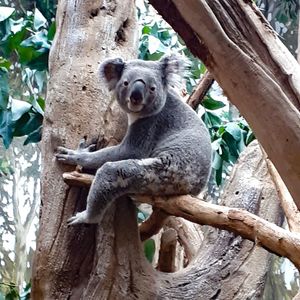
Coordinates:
(268,235)
(201,90)
(288,205)
(291,211)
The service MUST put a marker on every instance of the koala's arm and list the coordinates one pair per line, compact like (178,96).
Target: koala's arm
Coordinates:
(92,160)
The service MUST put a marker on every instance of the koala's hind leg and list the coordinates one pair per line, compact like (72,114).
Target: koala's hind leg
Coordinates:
(150,176)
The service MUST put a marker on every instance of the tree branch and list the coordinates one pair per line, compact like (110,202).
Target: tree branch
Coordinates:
(288,205)
(201,90)
(167,251)
(153,224)
(270,236)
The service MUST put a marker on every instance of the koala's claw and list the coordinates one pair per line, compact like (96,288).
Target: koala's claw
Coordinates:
(83,147)
(82,144)
(79,218)
(63,150)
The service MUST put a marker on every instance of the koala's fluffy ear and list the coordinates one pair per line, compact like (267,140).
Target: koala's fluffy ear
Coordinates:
(173,68)
(111,70)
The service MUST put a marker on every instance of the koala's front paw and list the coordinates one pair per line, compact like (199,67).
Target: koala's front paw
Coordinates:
(73,157)
(68,156)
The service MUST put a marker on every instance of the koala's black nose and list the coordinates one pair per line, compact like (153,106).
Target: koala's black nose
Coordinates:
(137,92)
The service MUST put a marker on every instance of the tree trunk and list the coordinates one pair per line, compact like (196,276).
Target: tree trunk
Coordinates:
(107,261)
(77,106)
(256,71)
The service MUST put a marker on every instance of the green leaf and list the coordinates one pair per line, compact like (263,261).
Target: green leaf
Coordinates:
(234,130)
(51,31)
(232,145)
(211,104)
(149,249)
(34,137)
(39,20)
(211,119)
(18,108)
(12,41)
(250,137)
(224,154)
(4,63)
(39,40)
(154,29)
(5,12)
(217,161)
(39,63)
(28,123)
(5,169)
(146,30)
(3,88)
(219,173)
(39,105)
(40,79)
(6,127)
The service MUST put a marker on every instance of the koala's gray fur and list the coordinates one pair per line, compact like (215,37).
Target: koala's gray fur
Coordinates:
(166,150)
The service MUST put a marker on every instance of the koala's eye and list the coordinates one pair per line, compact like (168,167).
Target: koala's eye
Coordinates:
(125,83)
(152,88)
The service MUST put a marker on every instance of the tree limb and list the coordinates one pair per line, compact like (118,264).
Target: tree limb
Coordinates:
(270,236)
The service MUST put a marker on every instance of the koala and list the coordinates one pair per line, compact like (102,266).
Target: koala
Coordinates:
(166,150)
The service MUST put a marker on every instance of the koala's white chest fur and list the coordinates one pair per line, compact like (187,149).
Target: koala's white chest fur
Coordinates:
(132,117)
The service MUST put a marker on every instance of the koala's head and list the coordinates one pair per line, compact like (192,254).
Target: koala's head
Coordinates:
(141,86)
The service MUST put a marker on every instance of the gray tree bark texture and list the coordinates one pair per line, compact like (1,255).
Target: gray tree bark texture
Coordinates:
(107,261)
(256,71)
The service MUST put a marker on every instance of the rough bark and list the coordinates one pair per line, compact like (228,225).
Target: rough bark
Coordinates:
(257,72)
(77,106)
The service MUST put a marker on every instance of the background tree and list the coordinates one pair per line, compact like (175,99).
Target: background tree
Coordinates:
(25,38)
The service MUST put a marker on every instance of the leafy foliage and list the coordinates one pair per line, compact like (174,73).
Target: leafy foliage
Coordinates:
(24,49)
(11,292)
